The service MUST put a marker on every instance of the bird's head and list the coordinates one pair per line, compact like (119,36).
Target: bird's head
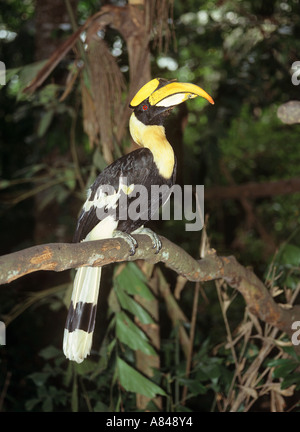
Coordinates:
(154,101)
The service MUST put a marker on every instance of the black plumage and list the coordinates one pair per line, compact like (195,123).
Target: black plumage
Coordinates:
(138,168)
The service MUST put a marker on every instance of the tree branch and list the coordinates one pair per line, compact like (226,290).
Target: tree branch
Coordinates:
(63,256)
(253,190)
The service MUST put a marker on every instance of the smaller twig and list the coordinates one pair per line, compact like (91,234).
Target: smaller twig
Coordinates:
(74,150)
(59,54)
(35,191)
(252,376)
(174,312)
(4,390)
(85,394)
(204,246)
(75,28)
(230,341)
(191,340)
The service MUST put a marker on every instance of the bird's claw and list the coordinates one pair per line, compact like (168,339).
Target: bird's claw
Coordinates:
(153,236)
(131,241)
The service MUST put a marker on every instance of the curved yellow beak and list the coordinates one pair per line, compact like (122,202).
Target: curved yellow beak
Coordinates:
(176,93)
(168,95)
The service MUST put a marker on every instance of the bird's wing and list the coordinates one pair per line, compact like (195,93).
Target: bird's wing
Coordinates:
(129,170)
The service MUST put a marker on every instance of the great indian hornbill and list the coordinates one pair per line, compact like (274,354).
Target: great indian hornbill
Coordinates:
(152,164)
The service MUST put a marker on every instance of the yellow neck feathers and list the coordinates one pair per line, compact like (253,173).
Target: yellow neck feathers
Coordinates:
(154,138)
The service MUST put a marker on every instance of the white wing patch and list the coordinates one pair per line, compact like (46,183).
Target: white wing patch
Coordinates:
(106,196)
(103,229)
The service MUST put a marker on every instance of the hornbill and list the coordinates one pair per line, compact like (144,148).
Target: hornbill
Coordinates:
(154,163)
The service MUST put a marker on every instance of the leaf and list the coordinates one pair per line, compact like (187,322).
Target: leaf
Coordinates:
(279,362)
(291,255)
(291,380)
(127,332)
(4,184)
(291,351)
(31,403)
(283,367)
(132,306)
(194,386)
(50,352)
(28,72)
(45,123)
(85,367)
(39,378)
(100,407)
(47,405)
(70,179)
(68,375)
(74,397)
(10,73)
(134,281)
(134,382)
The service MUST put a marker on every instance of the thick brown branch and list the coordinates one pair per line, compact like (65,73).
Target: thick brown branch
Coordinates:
(63,256)
(257,296)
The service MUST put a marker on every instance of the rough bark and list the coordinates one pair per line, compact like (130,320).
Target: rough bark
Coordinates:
(63,256)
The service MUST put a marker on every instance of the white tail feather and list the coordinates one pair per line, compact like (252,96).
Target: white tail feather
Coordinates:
(77,344)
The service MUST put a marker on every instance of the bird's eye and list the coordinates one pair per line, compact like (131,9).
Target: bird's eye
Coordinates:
(145,107)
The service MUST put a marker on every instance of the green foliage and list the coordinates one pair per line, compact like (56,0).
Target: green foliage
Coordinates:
(124,336)
(287,263)
(127,332)
(129,281)
(258,139)
(13,20)
(48,395)
(286,370)
(134,382)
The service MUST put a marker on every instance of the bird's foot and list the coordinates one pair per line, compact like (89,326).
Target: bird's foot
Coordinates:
(129,240)
(153,236)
